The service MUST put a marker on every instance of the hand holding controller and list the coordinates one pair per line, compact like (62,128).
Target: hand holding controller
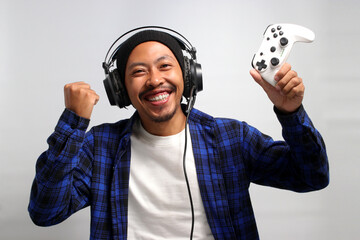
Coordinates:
(276,46)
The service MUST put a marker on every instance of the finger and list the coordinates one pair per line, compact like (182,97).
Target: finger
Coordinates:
(76,86)
(286,79)
(292,83)
(297,91)
(92,95)
(97,98)
(83,84)
(257,77)
(77,91)
(282,71)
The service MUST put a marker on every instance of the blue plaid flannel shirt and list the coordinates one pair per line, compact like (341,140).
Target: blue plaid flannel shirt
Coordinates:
(92,169)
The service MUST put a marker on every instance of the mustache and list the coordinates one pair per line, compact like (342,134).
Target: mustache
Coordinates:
(168,88)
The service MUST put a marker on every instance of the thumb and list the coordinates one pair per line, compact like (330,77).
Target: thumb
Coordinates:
(257,77)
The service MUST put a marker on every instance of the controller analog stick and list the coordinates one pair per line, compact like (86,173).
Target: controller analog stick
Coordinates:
(275,61)
(284,41)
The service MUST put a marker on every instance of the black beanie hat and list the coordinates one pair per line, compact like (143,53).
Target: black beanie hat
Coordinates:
(127,46)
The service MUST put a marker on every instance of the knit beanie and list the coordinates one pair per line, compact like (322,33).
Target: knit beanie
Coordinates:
(125,49)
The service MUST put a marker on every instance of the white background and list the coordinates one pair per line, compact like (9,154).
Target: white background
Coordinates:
(45,44)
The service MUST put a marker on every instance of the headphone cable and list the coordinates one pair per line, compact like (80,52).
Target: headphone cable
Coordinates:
(188,110)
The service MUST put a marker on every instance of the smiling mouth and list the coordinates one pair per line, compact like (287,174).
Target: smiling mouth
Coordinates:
(159,97)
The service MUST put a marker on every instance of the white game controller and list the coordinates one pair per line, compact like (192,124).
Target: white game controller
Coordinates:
(276,46)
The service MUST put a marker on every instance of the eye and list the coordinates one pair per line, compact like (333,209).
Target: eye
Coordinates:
(138,72)
(165,66)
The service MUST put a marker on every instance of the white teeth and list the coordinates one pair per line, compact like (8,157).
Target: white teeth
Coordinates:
(159,97)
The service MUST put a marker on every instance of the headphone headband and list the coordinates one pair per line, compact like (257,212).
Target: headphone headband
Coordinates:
(187,44)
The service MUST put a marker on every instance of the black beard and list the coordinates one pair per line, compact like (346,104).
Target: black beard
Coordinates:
(164,118)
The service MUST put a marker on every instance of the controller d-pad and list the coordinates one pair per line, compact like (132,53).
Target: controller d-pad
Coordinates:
(261,65)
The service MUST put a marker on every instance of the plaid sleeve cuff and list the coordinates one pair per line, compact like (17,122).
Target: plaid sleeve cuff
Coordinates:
(70,122)
(298,128)
(291,120)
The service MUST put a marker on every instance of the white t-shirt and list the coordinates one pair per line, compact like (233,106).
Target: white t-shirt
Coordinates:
(159,205)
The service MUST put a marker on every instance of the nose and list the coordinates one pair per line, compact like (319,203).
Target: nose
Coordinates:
(155,79)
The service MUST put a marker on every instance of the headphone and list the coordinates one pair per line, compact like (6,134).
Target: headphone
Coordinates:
(115,89)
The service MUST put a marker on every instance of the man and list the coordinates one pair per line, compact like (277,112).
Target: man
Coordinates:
(130,172)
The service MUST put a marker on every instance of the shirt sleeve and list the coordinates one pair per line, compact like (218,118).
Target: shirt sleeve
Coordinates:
(63,172)
(299,163)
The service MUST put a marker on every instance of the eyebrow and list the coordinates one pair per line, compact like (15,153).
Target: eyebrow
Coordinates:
(166,56)
(136,64)
(163,58)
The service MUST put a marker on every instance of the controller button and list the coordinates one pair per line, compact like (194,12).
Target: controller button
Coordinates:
(268,39)
(275,35)
(272,49)
(278,27)
(281,33)
(284,41)
(273,30)
(261,65)
(275,61)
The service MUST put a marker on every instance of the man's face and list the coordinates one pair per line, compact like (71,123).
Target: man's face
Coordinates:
(154,82)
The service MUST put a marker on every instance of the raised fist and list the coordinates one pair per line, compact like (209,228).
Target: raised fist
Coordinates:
(80,98)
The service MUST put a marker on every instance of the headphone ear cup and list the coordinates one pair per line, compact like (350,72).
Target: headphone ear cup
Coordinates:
(115,90)
(197,76)
(110,91)
(187,78)
(193,77)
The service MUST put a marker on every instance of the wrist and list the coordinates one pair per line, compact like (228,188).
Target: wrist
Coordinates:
(282,111)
